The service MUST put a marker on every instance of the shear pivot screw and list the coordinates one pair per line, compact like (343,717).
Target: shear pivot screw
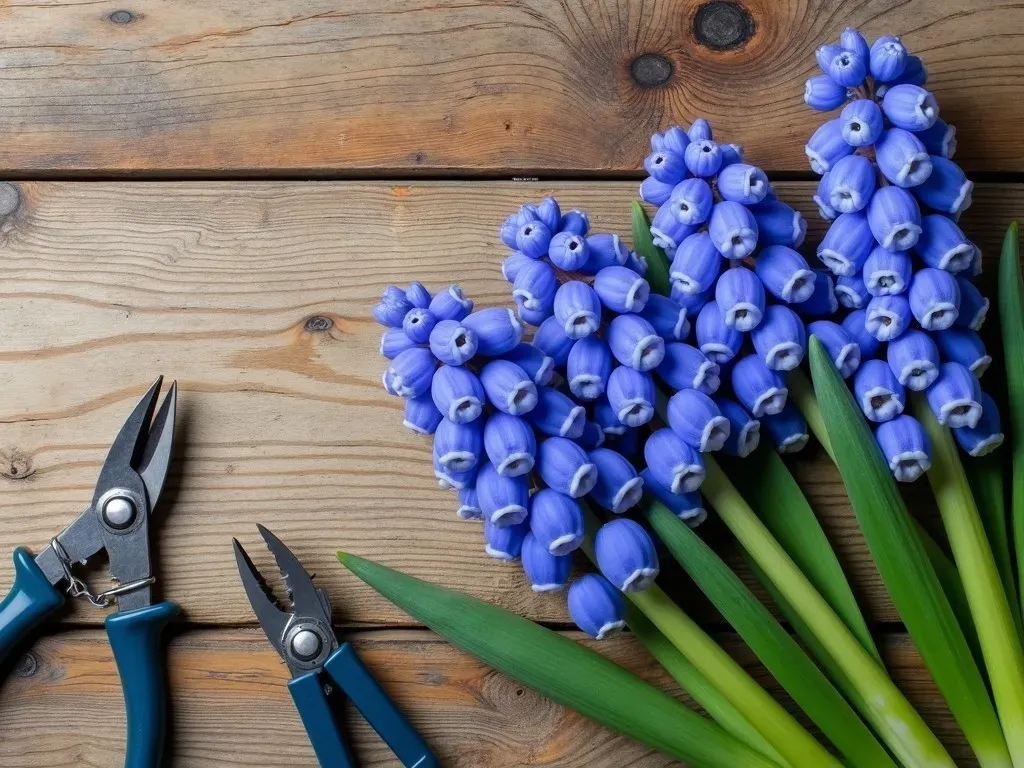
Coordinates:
(306,645)
(119,512)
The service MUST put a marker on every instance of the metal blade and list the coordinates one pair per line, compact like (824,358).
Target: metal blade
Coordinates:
(306,600)
(125,452)
(156,456)
(271,618)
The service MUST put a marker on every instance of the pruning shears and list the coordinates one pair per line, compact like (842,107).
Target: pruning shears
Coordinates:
(117,522)
(323,671)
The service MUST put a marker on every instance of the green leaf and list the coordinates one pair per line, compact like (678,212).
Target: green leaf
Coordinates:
(657,264)
(903,564)
(772,644)
(565,671)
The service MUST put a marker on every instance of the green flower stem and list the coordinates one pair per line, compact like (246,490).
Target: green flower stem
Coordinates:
(990,608)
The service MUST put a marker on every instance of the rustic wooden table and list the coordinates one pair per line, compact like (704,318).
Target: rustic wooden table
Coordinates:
(217,191)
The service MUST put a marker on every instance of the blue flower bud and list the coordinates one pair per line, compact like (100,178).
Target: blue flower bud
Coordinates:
(851,184)
(784,273)
(605,250)
(986,435)
(394,342)
(655,192)
(964,346)
(505,543)
(742,183)
(504,500)
(744,429)
(759,389)
(634,342)
(716,340)
(943,244)
(546,572)
(731,153)
(557,414)
(878,391)
(631,395)
(686,367)
(894,218)
(848,68)
(457,447)
(861,122)
(667,231)
(955,396)
(910,107)
(469,504)
(637,263)
(826,146)
(853,40)
(568,251)
(512,264)
(841,347)
(392,308)
(417,295)
(452,343)
(823,299)
(449,479)
(551,339)
(458,393)
(621,289)
(688,507)
(497,330)
(556,521)
(940,139)
(851,292)
(668,318)
(534,288)
(537,365)
(740,297)
(509,388)
(914,73)
(788,430)
(693,303)
(905,446)
(450,304)
(625,554)
(703,157)
(696,418)
(822,93)
(509,229)
(733,230)
(691,202)
(628,443)
(619,487)
(575,221)
(887,272)
(596,606)
(902,158)
(779,224)
(947,189)
(696,264)
(666,166)
(592,437)
(700,130)
(673,462)
(887,316)
(914,358)
(824,54)
(421,415)
(533,239)
(587,369)
(608,418)
(825,209)
(846,244)
(854,323)
(578,309)
(780,340)
(410,373)
(565,467)
(973,305)
(888,58)
(549,213)
(934,298)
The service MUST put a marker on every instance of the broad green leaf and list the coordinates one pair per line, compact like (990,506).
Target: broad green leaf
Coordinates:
(657,264)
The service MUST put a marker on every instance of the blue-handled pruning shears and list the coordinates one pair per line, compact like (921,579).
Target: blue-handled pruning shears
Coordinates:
(117,522)
(322,671)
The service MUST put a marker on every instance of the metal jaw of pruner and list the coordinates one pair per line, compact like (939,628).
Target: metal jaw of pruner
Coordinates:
(303,635)
(118,519)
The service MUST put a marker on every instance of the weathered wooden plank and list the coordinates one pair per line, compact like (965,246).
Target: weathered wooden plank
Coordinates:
(523,86)
(230,705)
(106,285)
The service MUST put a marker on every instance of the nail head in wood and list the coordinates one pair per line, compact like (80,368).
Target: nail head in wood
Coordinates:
(26,666)
(651,70)
(722,25)
(10,199)
(122,17)
(319,324)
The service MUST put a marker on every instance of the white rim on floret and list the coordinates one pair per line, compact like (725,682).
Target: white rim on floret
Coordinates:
(909,465)
(455,292)
(515,513)
(883,282)
(915,170)
(526,298)
(687,477)
(959,412)
(918,375)
(648,353)
(958,258)
(498,554)
(693,517)
(565,544)
(985,446)
(738,243)
(610,628)
(586,386)
(717,353)
(635,412)
(628,496)
(687,284)
(545,371)
(636,297)
(979,317)
(663,240)
(963,198)
(522,399)
(516,464)
(979,366)
(457,461)
(687,212)
(682,327)
(784,356)
(553,587)
(883,324)
(881,404)
(583,481)
(940,316)
(794,443)
(901,236)
(770,402)
(465,409)
(848,359)
(448,482)
(799,287)
(574,423)
(743,316)
(469,512)
(849,297)
(580,324)
(847,198)
(749,438)
(837,264)
(714,434)
(819,164)
(416,428)
(639,580)
(926,107)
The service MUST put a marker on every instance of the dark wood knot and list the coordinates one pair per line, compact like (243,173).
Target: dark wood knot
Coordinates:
(15,465)
(10,199)
(319,324)
(651,70)
(26,666)
(122,17)
(722,25)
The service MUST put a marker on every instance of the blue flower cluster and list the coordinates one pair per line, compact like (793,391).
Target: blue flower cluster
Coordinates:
(520,450)
(903,266)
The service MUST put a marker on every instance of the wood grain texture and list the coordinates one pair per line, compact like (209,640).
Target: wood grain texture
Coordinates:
(478,86)
(106,285)
(231,707)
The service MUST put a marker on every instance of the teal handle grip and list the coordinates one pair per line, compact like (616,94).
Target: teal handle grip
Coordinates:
(31,599)
(135,640)
(319,712)
(347,669)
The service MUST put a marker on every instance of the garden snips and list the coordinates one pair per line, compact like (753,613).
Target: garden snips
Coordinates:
(117,522)
(322,671)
